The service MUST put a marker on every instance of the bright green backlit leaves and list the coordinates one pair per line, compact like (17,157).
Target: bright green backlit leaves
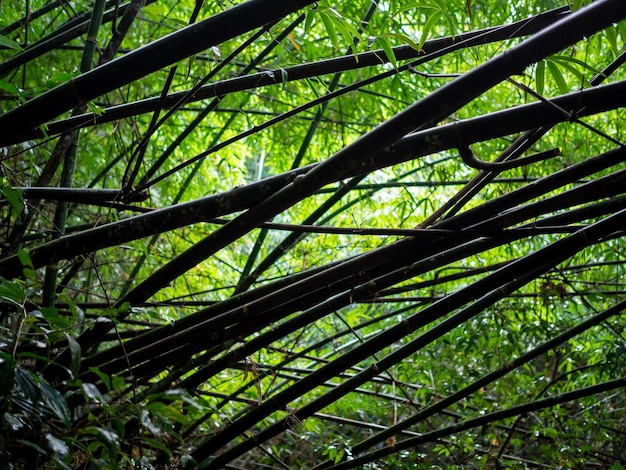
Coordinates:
(560,65)
(336,26)
(540,76)
(162,14)
(421,19)
(384,43)
(577,4)
(569,71)
(613,35)
(424,17)
(557,76)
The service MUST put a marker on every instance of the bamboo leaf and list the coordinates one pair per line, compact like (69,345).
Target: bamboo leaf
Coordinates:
(9,43)
(384,44)
(611,37)
(15,199)
(428,25)
(557,76)
(308,19)
(234,309)
(540,75)
(574,65)
(9,88)
(580,76)
(348,36)
(406,39)
(330,29)
(563,59)
(578,4)
(154,11)
(621,27)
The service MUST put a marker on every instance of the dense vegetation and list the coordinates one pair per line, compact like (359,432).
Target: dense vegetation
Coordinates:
(297,234)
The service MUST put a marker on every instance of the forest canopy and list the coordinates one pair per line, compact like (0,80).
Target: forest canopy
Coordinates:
(298,234)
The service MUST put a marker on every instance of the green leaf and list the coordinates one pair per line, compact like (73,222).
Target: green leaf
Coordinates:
(95,109)
(425,30)
(309,15)
(55,401)
(584,81)
(110,438)
(117,382)
(540,76)
(118,426)
(105,378)
(383,42)
(78,315)
(558,76)
(29,269)
(92,392)
(621,28)
(154,11)
(348,36)
(563,59)
(9,43)
(124,308)
(157,445)
(32,445)
(7,368)
(404,38)
(164,411)
(15,198)
(177,22)
(144,419)
(416,6)
(26,385)
(75,353)
(12,292)
(44,130)
(54,319)
(9,88)
(611,37)
(578,4)
(351,32)
(330,29)
(58,79)
(57,446)
(14,422)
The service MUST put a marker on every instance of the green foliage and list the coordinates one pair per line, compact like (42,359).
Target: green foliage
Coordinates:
(208,308)
(38,422)
(9,43)
(14,198)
